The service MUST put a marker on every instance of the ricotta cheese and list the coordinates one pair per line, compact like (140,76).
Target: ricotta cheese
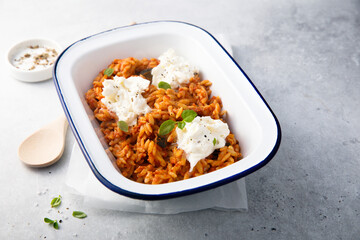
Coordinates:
(173,69)
(123,97)
(201,137)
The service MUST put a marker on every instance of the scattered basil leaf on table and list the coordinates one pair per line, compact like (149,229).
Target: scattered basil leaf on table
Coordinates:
(56,201)
(108,72)
(164,85)
(79,214)
(48,220)
(123,126)
(166,127)
(56,225)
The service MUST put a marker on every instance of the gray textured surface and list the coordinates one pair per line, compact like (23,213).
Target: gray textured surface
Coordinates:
(303,56)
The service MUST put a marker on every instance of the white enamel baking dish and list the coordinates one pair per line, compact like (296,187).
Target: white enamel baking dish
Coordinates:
(249,116)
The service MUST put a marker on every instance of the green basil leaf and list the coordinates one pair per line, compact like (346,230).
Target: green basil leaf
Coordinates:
(123,126)
(188,115)
(48,220)
(79,214)
(108,71)
(56,225)
(214,141)
(164,85)
(166,127)
(56,201)
(181,125)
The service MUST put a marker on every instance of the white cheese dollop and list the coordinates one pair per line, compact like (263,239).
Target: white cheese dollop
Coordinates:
(123,97)
(172,69)
(197,138)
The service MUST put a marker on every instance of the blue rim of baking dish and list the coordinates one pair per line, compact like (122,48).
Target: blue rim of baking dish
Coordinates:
(169,195)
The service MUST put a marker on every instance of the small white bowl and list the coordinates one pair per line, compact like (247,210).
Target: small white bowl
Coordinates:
(249,116)
(35,75)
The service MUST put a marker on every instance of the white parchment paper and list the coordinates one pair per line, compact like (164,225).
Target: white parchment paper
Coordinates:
(81,180)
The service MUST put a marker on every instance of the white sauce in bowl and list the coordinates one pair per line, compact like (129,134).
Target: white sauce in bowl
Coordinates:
(34,57)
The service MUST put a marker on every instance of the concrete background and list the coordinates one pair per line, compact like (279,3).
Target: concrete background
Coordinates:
(303,56)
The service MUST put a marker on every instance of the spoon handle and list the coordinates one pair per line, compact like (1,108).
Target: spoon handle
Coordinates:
(64,122)
(61,122)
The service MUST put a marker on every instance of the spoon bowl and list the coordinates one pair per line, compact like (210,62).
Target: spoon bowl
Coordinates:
(45,146)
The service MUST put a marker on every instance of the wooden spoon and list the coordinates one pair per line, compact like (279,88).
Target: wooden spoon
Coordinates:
(45,146)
